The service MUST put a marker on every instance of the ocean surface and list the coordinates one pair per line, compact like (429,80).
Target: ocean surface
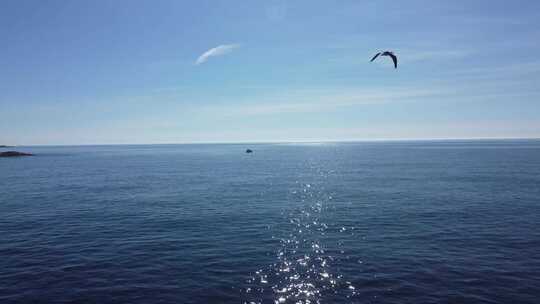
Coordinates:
(369,222)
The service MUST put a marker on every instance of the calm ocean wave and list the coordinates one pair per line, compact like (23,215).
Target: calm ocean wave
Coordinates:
(387,222)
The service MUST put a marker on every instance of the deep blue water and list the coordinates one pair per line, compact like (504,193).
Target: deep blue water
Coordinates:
(389,222)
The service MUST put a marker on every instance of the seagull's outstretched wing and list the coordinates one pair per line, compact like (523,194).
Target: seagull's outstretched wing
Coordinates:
(394,59)
(375,57)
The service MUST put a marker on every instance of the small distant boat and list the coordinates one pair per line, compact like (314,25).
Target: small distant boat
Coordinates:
(249,151)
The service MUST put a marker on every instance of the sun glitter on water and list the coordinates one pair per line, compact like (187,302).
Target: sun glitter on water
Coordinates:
(303,271)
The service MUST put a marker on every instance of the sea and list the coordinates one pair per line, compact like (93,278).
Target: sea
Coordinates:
(363,222)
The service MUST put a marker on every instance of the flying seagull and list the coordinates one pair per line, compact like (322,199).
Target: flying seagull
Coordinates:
(386,53)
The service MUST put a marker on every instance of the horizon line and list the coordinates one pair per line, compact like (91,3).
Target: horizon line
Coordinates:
(282,141)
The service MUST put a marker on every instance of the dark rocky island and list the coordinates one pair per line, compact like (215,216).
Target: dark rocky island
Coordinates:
(249,151)
(14,154)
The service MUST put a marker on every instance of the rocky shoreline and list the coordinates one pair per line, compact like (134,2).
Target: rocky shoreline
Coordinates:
(14,154)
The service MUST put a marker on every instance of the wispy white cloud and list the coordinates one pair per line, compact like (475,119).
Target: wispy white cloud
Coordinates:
(318,102)
(512,69)
(409,55)
(217,51)
(482,129)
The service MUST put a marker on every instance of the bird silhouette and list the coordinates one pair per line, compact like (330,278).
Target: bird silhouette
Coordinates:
(386,53)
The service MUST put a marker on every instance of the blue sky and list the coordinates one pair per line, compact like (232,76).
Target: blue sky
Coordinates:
(106,72)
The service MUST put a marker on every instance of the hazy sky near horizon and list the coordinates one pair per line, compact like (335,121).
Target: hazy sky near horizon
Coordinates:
(104,72)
